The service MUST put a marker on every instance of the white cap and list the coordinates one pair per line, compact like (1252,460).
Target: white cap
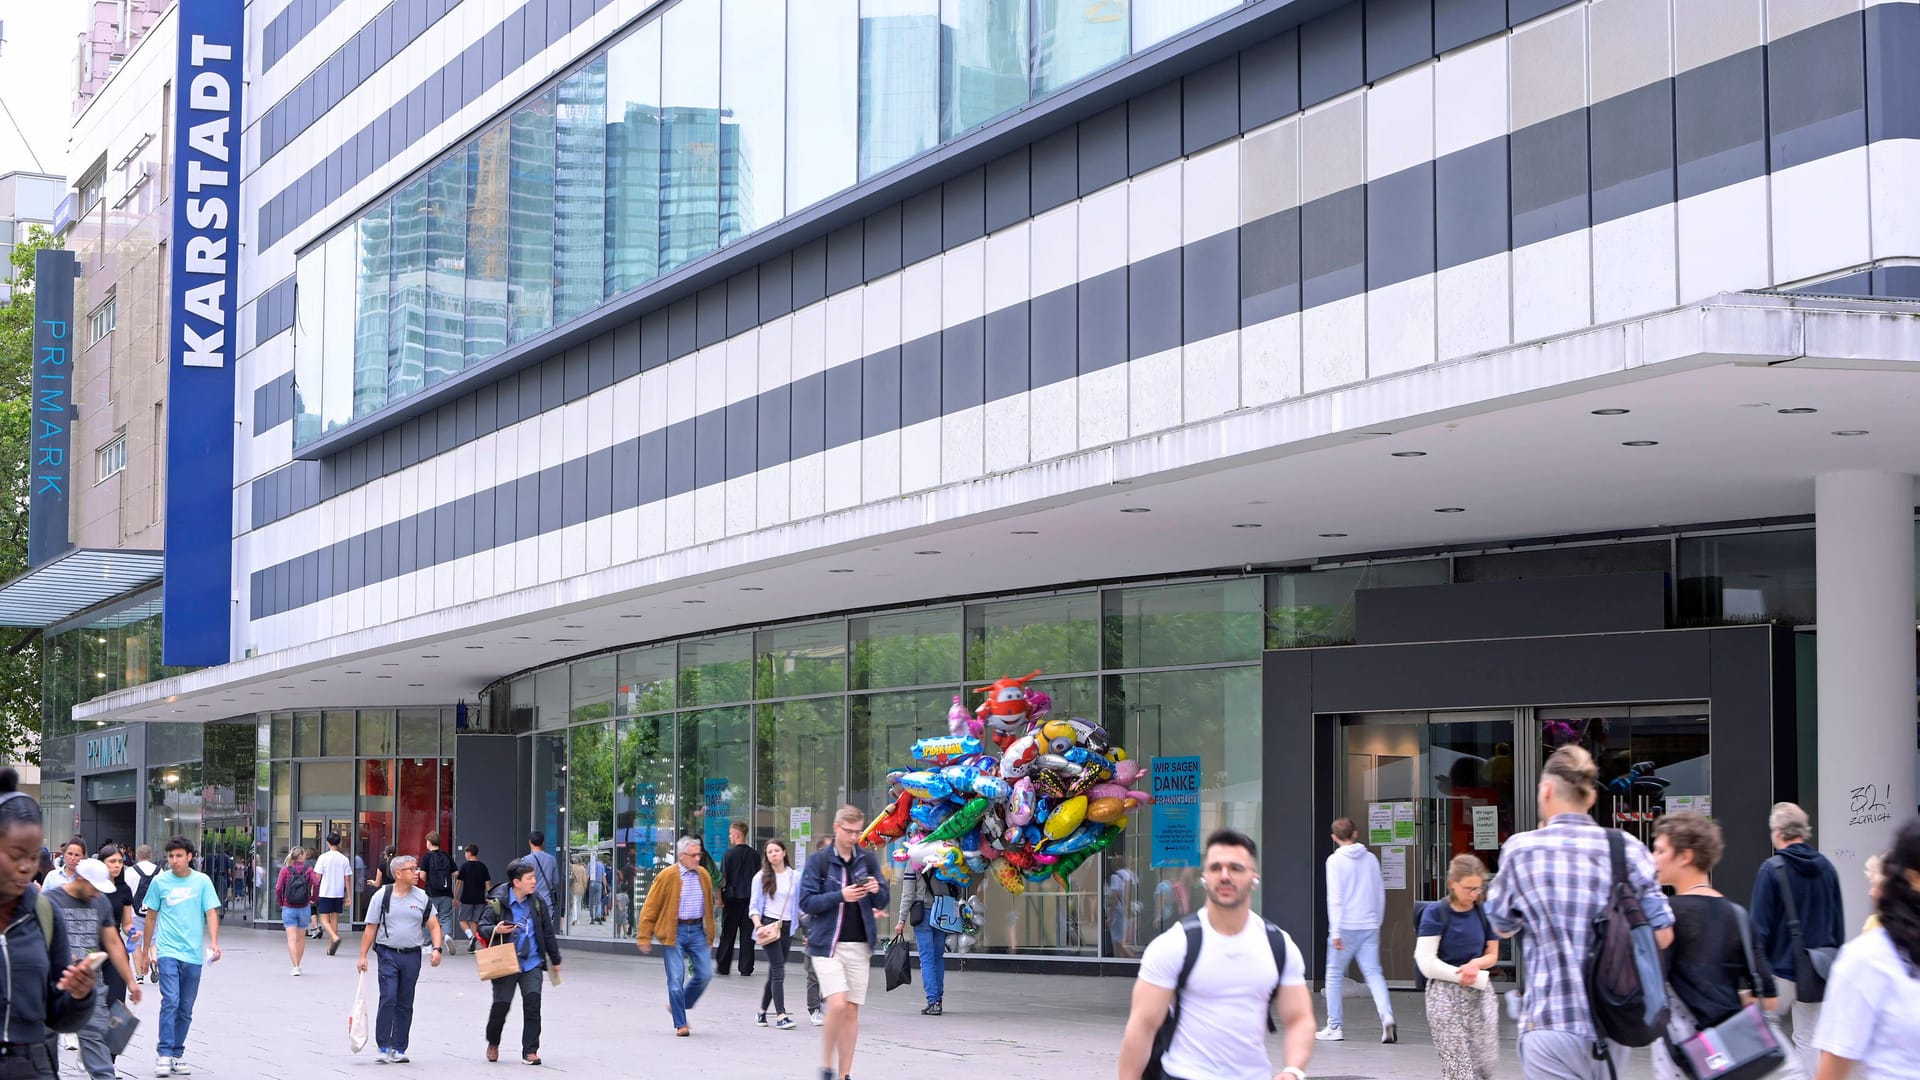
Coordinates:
(96,874)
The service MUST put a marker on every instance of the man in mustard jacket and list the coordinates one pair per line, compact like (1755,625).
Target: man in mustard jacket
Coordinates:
(678,913)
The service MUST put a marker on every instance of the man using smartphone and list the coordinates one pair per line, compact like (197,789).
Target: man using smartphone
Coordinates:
(92,936)
(841,889)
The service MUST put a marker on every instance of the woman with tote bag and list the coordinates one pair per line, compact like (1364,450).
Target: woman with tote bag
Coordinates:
(772,910)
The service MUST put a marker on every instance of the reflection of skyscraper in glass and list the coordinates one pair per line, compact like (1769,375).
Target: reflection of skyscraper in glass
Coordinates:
(580,192)
(406,325)
(370,312)
(689,184)
(633,197)
(737,217)
(983,63)
(530,220)
(446,212)
(489,171)
(899,88)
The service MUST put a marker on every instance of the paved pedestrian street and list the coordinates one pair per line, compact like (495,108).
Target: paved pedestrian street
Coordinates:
(608,1019)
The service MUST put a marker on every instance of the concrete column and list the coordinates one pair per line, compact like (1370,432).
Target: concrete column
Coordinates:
(1863,568)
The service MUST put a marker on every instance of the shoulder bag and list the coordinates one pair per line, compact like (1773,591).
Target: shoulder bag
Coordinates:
(1741,1047)
(1810,966)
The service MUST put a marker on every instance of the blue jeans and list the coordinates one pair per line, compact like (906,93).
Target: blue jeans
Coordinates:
(399,973)
(689,970)
(933,960)
(179,985)
(1364,944)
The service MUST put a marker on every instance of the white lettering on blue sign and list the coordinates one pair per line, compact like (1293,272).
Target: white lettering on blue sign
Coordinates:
(208,191)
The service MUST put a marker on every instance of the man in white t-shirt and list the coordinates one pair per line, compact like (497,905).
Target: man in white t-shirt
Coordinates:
(1232,984)
(332,868)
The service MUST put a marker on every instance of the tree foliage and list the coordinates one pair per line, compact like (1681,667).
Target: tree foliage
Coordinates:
(19,649)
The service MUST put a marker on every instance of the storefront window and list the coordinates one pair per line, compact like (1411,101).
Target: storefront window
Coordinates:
(714,671)
(647,680)
(282,735)
(1207,623)
(590,839)
(1311,608)
(1650,556)
(552,692)
(801,773)
(593,688)
(915,648)
(550,788)
(716,763)
(376,827)
(1056,634)
(419,733)
(802,660)
(338,734)
(306,734)
(643,813)
(1764,577)
(376,732)
(881,730)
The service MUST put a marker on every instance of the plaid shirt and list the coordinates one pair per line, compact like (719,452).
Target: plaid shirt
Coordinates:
(693,899)
(1551,884)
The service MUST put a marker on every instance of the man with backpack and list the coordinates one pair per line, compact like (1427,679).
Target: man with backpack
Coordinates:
(400,923)
(1798,926)
(1557,884)
(437,868)
(1207,984)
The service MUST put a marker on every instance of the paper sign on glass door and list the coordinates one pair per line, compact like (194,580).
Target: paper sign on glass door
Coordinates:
(1393,867)
(1486,828)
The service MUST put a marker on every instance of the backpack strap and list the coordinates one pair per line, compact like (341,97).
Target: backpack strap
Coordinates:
(1785,886)
(43,911)
(382,898)
(1195,937)
(1277,941)
(1617,855)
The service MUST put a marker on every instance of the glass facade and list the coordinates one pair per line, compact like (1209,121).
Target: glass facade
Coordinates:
(705,124)
(107,651)
(778,727)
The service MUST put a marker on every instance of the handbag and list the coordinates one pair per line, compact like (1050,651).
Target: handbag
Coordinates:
(899,963)
(1741,1047)
(498,961)
(768,933)
(357,1025)
(121,1024)
(1810,966)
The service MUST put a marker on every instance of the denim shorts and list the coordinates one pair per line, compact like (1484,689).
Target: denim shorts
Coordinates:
(296,918)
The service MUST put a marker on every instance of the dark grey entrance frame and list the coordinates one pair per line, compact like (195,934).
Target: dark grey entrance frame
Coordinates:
(1746,673)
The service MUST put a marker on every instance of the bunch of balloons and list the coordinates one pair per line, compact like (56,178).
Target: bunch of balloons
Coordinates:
(1010,792)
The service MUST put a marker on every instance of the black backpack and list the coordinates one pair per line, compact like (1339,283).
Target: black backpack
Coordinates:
(439,873)
(299,888)
(1623,970)
(1163,1039)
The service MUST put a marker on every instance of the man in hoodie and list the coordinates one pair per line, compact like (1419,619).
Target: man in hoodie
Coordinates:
(1356,900)
(1802,877)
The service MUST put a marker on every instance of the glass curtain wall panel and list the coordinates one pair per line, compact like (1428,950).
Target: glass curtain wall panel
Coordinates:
(899,81)
(580,192)
(801,773)
(753,115)
(530,220)
(336,399)
(309,343)
(1057,634)
(593,688)
(407,327)
(489,175)
(690,162)
(714,671)
(1075,38)
(912,648)
(1204,623)
(643,813)
(823,101)
(1158,20)
(716,763)
(375,243)
(646,680)
(588,857)
(447,266)
(983,62)
(376,804)
(801,660)
(633,160)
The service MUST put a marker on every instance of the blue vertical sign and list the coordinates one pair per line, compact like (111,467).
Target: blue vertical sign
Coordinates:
(1176,811)
(205,333)
(718,808)
(51,442)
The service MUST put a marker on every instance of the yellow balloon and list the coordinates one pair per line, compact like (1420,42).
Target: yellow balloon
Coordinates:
(1105,811)
(1120,822)
(1066,818)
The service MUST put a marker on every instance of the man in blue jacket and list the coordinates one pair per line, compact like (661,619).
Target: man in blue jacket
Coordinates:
(1814,890)
(841,889)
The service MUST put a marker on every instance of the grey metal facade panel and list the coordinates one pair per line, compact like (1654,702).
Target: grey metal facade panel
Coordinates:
(1009,191)
(776,286)
(463,425)
(963,209)
(464,539)
(1332,55)
(841,388)
(1549,177)
(807,430)
(962,366)
(599,484)
(1270,81)
(653,339)
(484,515)
(1103,150)
(1897,282)
(919,384)
(743,301)
(743,438)
(1333,247)
(409,540)
(710,448)
(680,453)
(1154,135)
(552,383)
(683,333)
(626,351)
(1055,353)
(1054,166)
(1210,105)
(1632,137)
(442,533)
(573,374)
(881,388)
(1154,317)
(920,226)
(846,250)
(1103,321)
(444,425)
(409,444)
(810,273)
(1817,92)
(710,315)
(1210,287)
(1006,344)
(624,478)
(599,362)
(1399,35)
(552,500)
(1893,78)
(485,420)
(1270,267)
(774,441)
(1720,123)
(654,464)
(882,243)
(1400,224)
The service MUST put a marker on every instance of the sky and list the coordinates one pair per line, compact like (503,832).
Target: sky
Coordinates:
(36,81)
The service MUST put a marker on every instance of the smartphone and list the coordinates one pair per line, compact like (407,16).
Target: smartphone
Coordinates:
(96,959)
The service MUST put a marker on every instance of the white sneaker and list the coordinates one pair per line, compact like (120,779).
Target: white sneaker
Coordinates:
(1330,1034)
(397,1057)
(163,1066)
(816,1018)
(181,1068)
(296,969)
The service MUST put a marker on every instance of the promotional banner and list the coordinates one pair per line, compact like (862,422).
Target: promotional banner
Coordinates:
(1176,811)
(719,808)
(203,303)
(51,424)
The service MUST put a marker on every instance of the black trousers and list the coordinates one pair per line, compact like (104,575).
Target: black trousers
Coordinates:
(735,926)
(775,993)
(529,984)
(30,1062)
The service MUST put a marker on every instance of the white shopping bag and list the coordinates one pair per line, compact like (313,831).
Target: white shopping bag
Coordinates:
(357,1023)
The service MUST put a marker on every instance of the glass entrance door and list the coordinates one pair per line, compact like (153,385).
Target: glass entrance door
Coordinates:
(1424,787)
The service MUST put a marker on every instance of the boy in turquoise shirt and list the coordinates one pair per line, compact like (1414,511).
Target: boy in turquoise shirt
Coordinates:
(183,929)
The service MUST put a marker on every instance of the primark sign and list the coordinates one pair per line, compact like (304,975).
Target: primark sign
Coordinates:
(107,752)
(203,305)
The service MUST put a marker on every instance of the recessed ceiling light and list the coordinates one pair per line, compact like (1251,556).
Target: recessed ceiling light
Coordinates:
(693,601)
(1641,442)
(286,688)
(520,637)
(395,663)
(1611,412)
(572,626)
(416,684)
(383,676)
(351,672)
(1332,536)
(1753,404)
(1409,453)
(473,646)
(430,656)
(316,680)
(1798,410)
(1248,525)
(1852,431)
(1450,510)
(841,570)
(752,588)
(256,693)
(929,552)
(1026,532)
(1136,510)
(630,616)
